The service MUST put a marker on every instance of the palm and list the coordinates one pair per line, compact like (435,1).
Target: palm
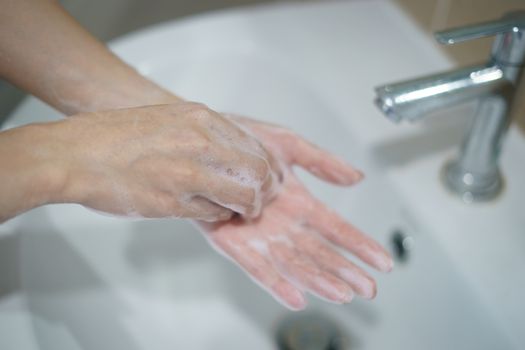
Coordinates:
(287,249)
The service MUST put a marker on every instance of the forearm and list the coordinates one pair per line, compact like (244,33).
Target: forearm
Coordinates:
(29,177)
(46,52)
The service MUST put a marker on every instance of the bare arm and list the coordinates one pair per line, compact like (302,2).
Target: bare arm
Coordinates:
(45,52)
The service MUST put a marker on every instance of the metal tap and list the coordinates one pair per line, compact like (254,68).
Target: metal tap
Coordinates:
(474,174)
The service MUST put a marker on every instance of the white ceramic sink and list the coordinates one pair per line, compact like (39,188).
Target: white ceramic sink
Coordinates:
(78,280)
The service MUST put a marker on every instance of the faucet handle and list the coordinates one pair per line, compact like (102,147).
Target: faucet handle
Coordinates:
(512,22)
(508,48)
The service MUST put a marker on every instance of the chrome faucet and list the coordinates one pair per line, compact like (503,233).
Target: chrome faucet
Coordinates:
(474,174)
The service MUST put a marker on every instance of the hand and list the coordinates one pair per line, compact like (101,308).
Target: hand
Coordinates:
(178,160)
(286,249)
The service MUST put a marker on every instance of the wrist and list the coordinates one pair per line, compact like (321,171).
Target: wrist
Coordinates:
(94,95)
(47,169)
(30,175)
(61,160)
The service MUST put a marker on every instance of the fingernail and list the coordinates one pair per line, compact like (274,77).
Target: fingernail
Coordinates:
(353,177)
(347,179)
(385,264)
(348,297)
(291,297)
(368,289)
(358,175)
(364,286)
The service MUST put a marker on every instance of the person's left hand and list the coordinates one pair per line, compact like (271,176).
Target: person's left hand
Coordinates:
(287,249)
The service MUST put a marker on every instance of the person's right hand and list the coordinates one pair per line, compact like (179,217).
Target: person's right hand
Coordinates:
(178,160)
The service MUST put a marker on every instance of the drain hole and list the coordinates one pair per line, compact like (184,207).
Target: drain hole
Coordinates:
(309,331)
(402,244)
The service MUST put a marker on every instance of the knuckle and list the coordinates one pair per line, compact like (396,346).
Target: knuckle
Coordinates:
(200,112)
(201,142)
(261,169)
(186,175)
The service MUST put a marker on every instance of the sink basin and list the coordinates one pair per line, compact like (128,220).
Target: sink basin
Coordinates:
(79,280)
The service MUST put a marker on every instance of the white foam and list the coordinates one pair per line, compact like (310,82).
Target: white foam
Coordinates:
(259,245)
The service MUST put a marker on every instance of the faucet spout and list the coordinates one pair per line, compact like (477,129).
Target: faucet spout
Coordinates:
(411,100)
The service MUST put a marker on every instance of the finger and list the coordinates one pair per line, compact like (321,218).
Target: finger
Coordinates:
(276,168)
(330,260)
(305,273)
(272,184)
(200,208)
(263,273)
(231,191)
(319,162)
(343,234)
(296,150)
